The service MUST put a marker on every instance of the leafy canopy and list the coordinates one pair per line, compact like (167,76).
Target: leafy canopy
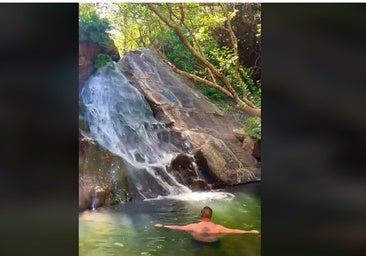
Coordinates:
(218,32)
(92,27)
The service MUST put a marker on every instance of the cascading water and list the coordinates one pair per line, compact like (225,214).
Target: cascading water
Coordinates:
(120,120)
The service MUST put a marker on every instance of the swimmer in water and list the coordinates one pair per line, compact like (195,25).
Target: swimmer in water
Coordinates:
(206,230)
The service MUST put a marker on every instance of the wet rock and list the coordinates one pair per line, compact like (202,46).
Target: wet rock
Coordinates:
(184,168)
(102,176)
(139,158)
(175,140)
(210,137)
(182,161)
(142,178)
(199,185)
(97,197)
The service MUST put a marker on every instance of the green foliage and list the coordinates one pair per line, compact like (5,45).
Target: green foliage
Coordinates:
(211,93)
(203,25)
(102,60)
(252,128)
(252,88)
(176,52)
(133,25)
(92,27)
(224,59)
(115,198)
(217,112)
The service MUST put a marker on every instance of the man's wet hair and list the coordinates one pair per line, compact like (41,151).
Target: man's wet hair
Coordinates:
(206,212)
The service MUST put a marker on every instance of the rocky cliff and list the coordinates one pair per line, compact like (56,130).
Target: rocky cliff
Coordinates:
(207,152)
(175,102)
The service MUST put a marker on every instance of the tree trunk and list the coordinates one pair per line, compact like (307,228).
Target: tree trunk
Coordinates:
(243,104)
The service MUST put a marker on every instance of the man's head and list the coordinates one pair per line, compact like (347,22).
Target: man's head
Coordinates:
(206,213)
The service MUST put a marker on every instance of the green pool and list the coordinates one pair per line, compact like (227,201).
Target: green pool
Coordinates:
(128,229)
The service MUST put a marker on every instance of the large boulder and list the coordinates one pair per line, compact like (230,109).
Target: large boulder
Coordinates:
(253,147)
(226,163)
(102,176)
(184,110)
(185,170)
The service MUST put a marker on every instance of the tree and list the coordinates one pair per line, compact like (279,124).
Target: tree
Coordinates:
(201,41)
(191,23)
(92,27)
(133,25)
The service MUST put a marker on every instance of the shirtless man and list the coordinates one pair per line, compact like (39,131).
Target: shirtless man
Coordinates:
(206,230)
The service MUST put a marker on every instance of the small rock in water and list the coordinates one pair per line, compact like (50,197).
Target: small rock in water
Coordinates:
(119,244)
(139,158)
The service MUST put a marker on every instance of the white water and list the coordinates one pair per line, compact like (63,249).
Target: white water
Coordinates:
(198,196)
(119,118)
(121,121)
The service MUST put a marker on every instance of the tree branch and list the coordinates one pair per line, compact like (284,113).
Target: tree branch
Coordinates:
(244,104)
(234,44)
(195,77)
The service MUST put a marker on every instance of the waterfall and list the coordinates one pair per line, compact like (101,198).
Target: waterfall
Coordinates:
(120,120)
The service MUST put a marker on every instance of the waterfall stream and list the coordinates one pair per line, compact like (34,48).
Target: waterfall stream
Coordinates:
(120,120)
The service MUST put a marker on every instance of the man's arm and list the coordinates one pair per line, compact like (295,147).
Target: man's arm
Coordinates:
(225,230)
(174,227)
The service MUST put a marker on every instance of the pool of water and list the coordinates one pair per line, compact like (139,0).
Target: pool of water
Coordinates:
(128,229)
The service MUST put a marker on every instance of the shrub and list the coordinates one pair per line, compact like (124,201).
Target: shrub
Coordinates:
(94,28)
(176,52)
(217,112)
(252,128)
(101,61)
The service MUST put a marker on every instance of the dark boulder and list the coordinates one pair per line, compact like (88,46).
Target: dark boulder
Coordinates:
(102,176)
(184,168)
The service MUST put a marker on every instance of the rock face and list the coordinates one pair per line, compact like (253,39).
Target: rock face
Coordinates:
(252,147)
(185,170)
(208,136)
(248,145)
(257,150)
(102,178)
(239,133)
(226,162)
(88,52)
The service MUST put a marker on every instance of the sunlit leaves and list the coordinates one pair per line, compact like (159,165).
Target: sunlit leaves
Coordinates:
(231,15)
(204,39)
(259,30)
(133,26)
(92,27)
